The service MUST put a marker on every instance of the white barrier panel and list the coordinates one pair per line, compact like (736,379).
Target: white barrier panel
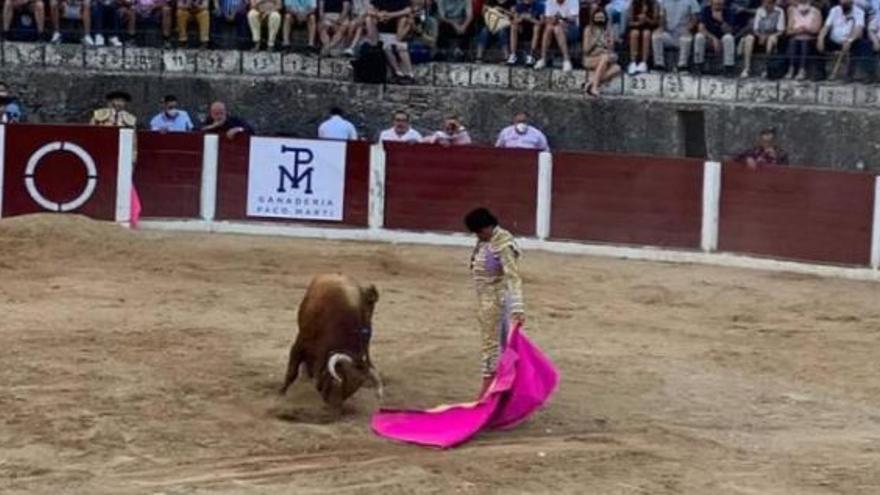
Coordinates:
(545,195)
(376,201)
(124,175)
(711,206)
(210,157)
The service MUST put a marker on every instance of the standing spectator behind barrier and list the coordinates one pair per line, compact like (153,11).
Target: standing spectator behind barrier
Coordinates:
(767,29)
(336,127)
(232,12)
(561,21)
(10,108)
(643,20)
(598,53)
(73,10)
(105,22)
(333,16)
(678,20)
(193,9)
(171,119)
(804,24)
(134,12)
(453,133)
(497,15)
(264,12)
(522,135)
(765,151)
(716,29)
(843,33)
(401,131)
(35,7)
(423,40)
(456,18)
(220,122)
(300,13)
(528,19)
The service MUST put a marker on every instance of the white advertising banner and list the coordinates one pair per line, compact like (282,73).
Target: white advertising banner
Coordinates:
(296,178)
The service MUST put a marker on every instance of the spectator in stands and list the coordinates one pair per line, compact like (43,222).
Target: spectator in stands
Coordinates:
(843,32)
(643,20)
(423,40)
(401,130)
(453,133)
(172,118)
(72,10)
(804,24)
(390,21)
(767,28)
(743,13)
(300,13)
(497,15)
(522,135)
(105,22)
(528,18)
(10,108)
(333,15)
(187,10)
(134,12)
(561,20)
(220,122)
(264,12)
(598,53)
(357,25)
(456,19)
(35,7)
(336,127)
(678,20)
(617,12)
(716,29)
(234,13)
(765,151)
(115,114)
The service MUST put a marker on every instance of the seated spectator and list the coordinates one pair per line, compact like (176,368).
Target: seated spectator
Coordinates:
(804,24)
(35,7)
(334,16)
(401,130)
(843,33)
(561,19)
(743,14)
(522,135)
(232,13)
(497,15)
(456,19)
(423,38)
(617,12)
(357,26)
(72,10)
(134,12)
(105,22)
(453,133)
(678,20)
(336,127)
(643,20)
(220,122)
(528,18)
(188,10)
(264,12)
(598,53)
(716,29)
(172,118)
(390,21)
(765,151)
(767,28)
(10,108)
(300,13)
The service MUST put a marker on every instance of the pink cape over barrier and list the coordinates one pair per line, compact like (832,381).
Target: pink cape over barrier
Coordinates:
(135,208)
(524,380)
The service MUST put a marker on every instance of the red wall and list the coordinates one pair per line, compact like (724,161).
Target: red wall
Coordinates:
(168,173)
(808,214)
(627,199)
(430,187)
(60,176)
(232,178)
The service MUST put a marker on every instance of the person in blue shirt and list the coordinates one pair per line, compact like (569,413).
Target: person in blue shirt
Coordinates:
(10,109)
(172,118)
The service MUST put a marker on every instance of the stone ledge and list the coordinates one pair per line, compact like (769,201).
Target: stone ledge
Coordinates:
(667,86)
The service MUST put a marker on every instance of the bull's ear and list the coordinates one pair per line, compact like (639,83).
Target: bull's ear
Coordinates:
(371,294)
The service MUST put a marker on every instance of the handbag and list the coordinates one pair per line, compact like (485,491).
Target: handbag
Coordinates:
(495,19)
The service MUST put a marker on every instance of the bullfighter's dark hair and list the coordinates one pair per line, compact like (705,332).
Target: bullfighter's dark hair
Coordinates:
(479,219)
(335,111)
(169,99)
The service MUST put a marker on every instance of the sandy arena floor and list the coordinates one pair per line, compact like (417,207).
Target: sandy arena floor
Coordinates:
(139,362)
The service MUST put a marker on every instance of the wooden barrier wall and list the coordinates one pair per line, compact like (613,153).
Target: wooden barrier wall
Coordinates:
(168,173)
(431,187)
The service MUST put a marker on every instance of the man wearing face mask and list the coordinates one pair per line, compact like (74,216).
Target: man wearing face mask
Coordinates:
(843,32)
(453,133)
(171,119)
(522,135)
(10,110)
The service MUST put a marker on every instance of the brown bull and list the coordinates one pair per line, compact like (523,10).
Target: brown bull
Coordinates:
(335,325)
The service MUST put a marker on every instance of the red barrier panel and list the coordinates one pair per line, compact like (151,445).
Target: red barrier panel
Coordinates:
(627,199)
(168,173)
(232,183)
(61,169)
(808,214)
(430,187)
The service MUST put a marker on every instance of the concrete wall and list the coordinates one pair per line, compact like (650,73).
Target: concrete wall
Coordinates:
(823,135)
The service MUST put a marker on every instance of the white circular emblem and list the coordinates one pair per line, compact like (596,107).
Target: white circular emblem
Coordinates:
(84,157)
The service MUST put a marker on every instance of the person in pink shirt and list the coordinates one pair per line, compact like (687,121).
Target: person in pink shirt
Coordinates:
(453,133)
(134,12)
(804,24)
(522,135)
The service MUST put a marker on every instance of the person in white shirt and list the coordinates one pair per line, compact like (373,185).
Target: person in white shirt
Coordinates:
(400,130)
(336,127)
(843,32)
(522,135)
(561,18)
(767,28)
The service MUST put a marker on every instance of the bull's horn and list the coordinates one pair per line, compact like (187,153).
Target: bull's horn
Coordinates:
(377,380)
(334,360)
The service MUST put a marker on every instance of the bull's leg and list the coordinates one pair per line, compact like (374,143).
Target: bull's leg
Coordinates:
(376,380)
(296,357)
